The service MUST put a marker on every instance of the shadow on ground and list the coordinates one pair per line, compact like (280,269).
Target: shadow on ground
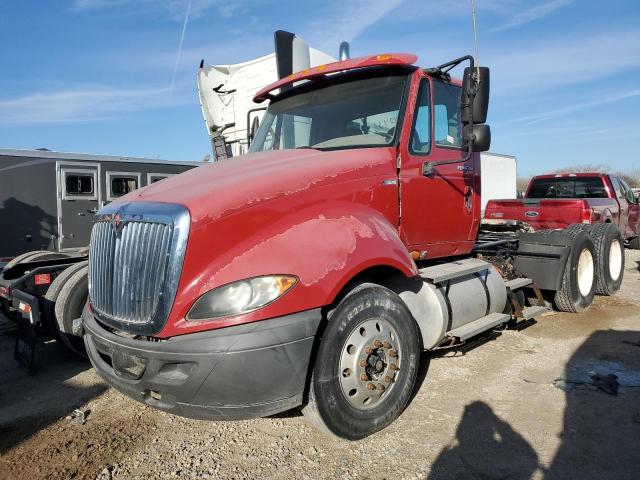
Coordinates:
(29,403)
(601,428)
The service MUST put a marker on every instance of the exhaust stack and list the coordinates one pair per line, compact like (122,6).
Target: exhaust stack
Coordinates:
(344,51)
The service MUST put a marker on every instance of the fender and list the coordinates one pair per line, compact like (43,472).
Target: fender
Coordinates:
(324,244)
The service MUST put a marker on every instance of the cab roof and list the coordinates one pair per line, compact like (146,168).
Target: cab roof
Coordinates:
(386,59)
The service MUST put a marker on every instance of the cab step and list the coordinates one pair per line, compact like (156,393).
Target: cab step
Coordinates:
(534,311)
(447,271)
(517,283)
(480,325)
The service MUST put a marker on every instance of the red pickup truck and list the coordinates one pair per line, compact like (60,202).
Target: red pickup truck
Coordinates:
(557,201)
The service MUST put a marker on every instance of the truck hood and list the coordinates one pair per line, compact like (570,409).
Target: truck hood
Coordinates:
(218,189)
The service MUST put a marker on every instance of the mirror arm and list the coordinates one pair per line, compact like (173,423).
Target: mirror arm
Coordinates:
(429,168)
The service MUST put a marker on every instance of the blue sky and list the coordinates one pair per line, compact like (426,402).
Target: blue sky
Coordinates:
(97,76)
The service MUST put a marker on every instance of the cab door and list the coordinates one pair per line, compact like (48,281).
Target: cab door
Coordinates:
(437,214)
(78,200)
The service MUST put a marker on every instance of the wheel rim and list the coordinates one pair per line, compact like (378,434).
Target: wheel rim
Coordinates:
(585,272)
(369,363)
(615,260)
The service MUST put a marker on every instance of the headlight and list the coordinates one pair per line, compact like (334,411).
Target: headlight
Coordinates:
(240,297)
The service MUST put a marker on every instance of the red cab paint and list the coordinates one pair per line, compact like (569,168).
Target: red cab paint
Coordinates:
(323,216)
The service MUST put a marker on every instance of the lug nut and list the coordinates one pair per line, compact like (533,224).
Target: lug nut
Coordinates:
(393,366)
(364,377)
(377,344)
(381,387)
(368,350)
(371,386)
(388,379)
(363,363)
(393,353)
(386,345)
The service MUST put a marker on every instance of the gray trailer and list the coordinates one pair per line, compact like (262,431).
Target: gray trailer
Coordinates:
(47,205)
(48,199)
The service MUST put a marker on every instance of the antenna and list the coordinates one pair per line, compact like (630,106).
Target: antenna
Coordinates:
(475,31)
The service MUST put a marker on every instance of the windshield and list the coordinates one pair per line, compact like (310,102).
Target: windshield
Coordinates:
(355,113)
(563,187)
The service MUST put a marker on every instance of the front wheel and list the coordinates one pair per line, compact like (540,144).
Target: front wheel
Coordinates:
(366,365)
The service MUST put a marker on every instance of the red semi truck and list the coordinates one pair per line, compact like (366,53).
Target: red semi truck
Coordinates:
(313,271)
(559,200)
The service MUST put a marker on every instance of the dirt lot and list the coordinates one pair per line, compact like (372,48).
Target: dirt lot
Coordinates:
(528,404)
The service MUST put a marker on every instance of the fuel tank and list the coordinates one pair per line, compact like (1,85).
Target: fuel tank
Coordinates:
(440,307)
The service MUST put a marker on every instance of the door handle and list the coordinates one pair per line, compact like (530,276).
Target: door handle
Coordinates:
(81,214)
(467,198)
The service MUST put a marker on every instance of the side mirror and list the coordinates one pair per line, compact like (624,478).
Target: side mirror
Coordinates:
(631,197)
(481,138)
(475,84)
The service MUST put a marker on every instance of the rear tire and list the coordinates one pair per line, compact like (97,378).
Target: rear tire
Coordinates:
(609,249)
(579,278)
(32,257)
(355,388)
(634,243)
(49,301)
(65,301)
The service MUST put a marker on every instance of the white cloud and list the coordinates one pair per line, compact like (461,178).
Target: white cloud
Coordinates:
(349,20)
(174,8)
(561,61)
(597,101)
(531,14)
(84,104)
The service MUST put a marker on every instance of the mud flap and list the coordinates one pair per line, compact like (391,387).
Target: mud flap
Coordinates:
(25,349)
(28,309)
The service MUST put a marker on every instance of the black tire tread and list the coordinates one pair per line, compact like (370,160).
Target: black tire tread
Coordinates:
(312,410)
(562,299)
(69,288)
(32,256)
(598,235)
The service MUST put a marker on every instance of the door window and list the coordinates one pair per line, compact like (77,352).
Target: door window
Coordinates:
(617,186)
(79,184)
(447,128)
(420,142)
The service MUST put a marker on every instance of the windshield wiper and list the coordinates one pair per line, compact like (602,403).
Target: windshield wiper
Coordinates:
(309,147)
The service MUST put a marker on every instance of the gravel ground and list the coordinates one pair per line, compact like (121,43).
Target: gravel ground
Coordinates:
(528,404)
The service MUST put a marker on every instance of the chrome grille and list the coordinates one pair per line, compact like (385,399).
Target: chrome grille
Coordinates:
(135,258)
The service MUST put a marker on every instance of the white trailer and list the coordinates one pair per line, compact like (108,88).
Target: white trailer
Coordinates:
(226,91)
(499,175)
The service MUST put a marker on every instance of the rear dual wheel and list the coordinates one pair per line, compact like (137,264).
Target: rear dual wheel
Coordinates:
(64,301)
(366,365)
(609,255)
(579,278)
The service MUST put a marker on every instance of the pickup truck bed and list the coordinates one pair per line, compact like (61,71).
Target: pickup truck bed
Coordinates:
(557,201)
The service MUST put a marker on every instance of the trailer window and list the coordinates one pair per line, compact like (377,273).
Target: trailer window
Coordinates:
(122,185)
(567,187)
(447,115)
(78,184)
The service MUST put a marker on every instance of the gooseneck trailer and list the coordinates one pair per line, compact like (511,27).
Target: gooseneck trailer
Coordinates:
(47,205)
(312,271)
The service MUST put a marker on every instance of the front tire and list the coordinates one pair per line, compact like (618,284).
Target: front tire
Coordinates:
(366,365)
